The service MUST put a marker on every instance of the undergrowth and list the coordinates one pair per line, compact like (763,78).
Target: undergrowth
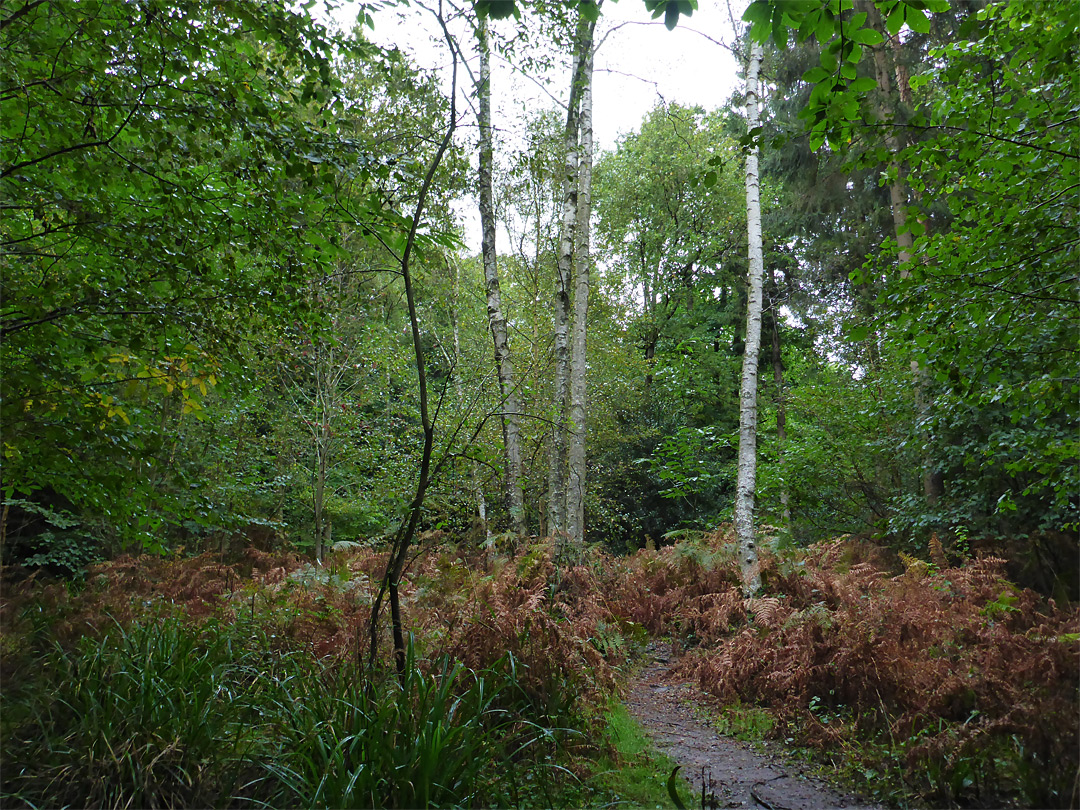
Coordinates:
(193,683)
(190,682)
(955,683)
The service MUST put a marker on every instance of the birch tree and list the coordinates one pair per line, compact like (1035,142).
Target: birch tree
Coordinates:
(511,428)
(564,269)
(747,463)
(576,467)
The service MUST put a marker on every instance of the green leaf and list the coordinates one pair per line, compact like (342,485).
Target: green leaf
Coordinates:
(867,36)
(858,333)
(497,9)
(671,15)
(673,790)
(917,21)
(758,13)
(895,21)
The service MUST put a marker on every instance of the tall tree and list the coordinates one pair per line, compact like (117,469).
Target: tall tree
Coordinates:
(510,411)
(748,415)
(576,454)
(558,462)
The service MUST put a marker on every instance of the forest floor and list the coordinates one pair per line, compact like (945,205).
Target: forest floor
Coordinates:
(734,773)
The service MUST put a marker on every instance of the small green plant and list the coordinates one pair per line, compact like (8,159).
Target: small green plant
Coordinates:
(747,723)
(632,773)
(64,545)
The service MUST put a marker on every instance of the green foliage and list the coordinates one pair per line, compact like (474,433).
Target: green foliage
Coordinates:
(147,157)
(62,544)
(990,299)
(844,36)
(428,739)
(634,773)
(151,715)
(163,713)
(185,181)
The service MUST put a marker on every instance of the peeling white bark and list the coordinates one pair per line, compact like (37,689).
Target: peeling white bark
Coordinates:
(576,466)
(748,415)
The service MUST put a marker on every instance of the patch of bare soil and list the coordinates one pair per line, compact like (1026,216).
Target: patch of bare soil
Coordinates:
(734,774)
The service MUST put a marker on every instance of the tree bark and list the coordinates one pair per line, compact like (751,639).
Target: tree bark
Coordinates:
(747,462)
(558,458)
(510,409)
(474,473)
(898,199)
(576,466)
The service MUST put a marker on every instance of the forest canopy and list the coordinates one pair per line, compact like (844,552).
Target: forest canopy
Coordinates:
(205,209)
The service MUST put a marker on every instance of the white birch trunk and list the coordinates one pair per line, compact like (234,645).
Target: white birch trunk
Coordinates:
(557,460)
(515,499)
(747,464)
(576,467)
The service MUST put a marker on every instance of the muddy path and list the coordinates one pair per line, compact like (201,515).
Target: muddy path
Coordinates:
(735,775)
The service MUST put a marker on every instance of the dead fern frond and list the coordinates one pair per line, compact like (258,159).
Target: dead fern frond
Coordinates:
(766,610)
(937,553)
(816,614)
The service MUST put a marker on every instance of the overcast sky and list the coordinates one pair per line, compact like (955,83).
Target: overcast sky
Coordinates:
(638,64)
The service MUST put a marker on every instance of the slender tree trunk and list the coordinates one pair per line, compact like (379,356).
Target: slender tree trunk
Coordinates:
(557,460)
(898,199)
(515,498)
(474,472)
(747,463)
(320,499)
(897,188)
(324,403)
(399,547)
(576,466)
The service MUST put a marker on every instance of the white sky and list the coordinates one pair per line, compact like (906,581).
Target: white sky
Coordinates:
(638,64)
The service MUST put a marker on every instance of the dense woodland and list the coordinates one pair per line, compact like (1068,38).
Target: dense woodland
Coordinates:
(305,503)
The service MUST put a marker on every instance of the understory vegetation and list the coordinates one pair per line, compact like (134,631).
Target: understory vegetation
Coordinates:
(200,682)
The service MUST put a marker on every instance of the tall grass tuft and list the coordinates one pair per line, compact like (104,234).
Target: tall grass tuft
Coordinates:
(168,714)
(151,715)
(432,738)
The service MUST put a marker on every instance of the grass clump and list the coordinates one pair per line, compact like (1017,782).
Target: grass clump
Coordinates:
(171,714)
(426,739)
(149,715)
(632,773)
(746,723)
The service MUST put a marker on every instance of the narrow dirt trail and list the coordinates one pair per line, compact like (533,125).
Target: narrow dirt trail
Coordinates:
(734,774)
